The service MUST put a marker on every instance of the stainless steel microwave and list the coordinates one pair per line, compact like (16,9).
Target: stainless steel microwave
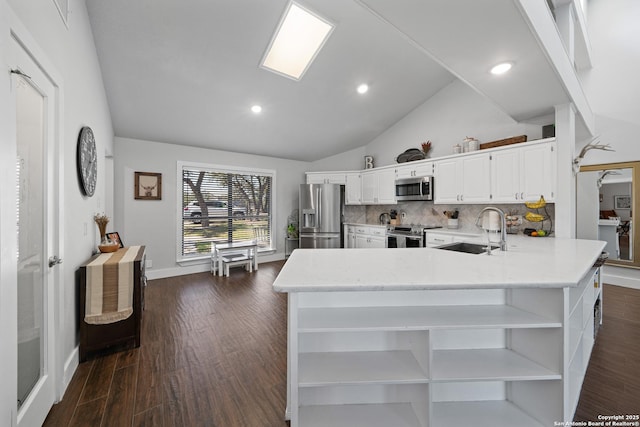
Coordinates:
(418,188)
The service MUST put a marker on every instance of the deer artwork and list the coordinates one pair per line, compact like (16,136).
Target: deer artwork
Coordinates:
(148,189)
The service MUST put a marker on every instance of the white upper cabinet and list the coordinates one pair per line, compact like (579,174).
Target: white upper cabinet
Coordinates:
(353,189)
(378,187)
(505,176)
(476,178)
(524,173)
(464,179)
(447,184)
(511,174)
(414,169)
(538,172)
(326,178)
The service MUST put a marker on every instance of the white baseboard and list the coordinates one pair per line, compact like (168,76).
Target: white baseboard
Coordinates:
(200,267)
(70,366)
(627,277)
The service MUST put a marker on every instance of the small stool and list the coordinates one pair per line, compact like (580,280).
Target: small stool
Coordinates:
(234,260)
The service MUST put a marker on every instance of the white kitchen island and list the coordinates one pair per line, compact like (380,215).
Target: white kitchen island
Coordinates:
(425,337)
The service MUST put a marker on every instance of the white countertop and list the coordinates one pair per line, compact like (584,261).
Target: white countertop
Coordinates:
(528,262)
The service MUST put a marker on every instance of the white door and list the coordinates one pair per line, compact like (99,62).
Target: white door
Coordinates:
(37,207)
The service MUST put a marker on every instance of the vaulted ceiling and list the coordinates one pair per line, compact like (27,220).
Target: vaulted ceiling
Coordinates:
(187,72)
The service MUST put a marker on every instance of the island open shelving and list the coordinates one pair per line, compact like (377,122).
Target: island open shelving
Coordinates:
(434,356)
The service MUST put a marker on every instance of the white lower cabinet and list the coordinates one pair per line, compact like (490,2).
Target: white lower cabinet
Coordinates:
(369,236)
(490,357)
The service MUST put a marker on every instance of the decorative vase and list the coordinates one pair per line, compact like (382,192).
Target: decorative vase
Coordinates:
(106,244)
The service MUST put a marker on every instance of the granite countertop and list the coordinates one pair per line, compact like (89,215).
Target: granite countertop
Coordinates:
(528,262)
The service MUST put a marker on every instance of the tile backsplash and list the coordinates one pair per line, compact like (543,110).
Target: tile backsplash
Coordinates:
(428,213)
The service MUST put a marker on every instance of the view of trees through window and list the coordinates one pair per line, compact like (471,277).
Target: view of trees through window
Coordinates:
(223,206)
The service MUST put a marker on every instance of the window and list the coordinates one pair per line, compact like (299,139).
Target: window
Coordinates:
(221,204)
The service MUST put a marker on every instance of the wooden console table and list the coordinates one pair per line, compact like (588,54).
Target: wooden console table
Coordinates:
(100,339)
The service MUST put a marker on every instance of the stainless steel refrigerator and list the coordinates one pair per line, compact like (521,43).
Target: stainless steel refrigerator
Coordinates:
(320,216)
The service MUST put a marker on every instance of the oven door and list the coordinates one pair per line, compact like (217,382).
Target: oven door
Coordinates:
(404,241)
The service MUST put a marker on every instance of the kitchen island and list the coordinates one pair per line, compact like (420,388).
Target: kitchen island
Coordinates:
(425,337)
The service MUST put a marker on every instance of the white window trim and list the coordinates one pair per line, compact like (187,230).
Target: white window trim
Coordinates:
(181,260)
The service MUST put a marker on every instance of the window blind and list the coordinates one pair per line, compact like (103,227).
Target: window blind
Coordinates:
(223,205)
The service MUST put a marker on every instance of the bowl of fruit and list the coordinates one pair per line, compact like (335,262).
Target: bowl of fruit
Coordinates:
(532,232)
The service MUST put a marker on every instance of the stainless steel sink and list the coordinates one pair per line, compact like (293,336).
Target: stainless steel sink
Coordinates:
(469,248)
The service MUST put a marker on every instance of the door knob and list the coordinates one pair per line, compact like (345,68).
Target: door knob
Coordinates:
(54,260)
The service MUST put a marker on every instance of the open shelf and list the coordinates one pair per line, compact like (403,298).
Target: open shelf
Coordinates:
(489,413)
(347,368)
(369,415)
(487,364)
(419,318)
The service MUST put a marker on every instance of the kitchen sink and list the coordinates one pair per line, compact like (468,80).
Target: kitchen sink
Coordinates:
(469,248)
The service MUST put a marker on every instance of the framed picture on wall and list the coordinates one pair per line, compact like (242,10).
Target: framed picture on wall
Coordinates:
(622,202)
(148,186)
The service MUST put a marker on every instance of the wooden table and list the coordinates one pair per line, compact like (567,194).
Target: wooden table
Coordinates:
(250,247)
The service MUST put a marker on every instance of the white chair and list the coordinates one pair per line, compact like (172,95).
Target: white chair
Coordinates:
(261,235)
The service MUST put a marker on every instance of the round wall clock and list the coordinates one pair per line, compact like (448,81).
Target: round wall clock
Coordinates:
(87,161)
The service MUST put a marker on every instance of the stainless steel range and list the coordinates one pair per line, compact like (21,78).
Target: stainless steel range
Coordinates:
(407,236)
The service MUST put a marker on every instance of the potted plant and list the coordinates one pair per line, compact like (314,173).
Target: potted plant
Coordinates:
(292,231)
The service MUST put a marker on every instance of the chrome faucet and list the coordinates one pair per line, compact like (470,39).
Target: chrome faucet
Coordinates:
(503,226)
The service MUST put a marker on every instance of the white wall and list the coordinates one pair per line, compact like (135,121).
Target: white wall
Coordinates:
(72,53)
(154,223)
(612,86)
(446,119)
(347,161)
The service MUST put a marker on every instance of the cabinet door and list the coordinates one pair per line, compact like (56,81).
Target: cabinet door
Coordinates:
(326,178)
(476,179)
(447,181)
(361,241)
(537,172)
(369,188)
(353,189)
(315,178)
(423,169)
(377,241)
(351,240)
(414,169)
(404,171)
(505,176)
(387,187)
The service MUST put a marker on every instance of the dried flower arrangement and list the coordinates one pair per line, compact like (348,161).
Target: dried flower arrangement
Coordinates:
(426,147)
(101,221)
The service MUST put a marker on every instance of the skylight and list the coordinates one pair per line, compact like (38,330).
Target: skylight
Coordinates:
(296,42)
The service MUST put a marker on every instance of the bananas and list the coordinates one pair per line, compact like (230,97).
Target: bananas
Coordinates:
(541,203)
(533,217)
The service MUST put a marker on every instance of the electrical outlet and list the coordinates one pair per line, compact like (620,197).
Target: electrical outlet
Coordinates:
(149,263)
(85,229)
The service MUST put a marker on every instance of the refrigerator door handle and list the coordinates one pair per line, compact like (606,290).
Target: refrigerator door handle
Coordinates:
(319,205)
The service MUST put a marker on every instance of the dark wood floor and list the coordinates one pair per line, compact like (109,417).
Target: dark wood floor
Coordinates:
(612,383)
(213,353)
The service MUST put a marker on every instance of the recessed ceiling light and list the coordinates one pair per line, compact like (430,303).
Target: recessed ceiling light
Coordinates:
(363,88)
(296,43)
(256,109)
(502,68)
